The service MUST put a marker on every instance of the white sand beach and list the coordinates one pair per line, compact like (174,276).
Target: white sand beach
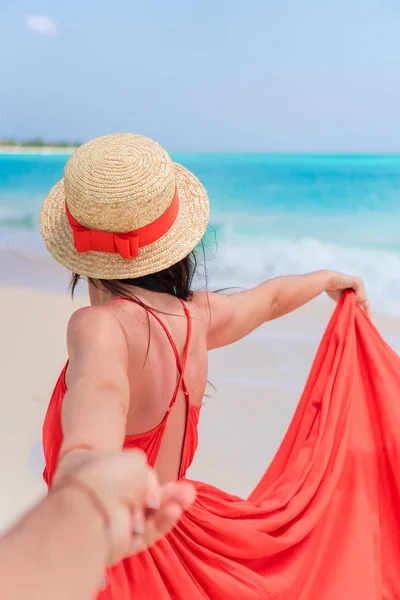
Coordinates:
(258,382)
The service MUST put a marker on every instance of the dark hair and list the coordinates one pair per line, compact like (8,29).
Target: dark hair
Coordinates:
(175,280)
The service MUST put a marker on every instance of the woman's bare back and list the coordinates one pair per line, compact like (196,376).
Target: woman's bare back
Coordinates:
(153,372)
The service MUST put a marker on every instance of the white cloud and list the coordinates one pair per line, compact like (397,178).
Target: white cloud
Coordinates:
(42,25)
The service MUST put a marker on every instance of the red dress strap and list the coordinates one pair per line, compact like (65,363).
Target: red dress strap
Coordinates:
(180,364)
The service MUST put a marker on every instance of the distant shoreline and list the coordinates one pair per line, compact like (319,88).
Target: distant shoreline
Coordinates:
(37,149)
(320,156)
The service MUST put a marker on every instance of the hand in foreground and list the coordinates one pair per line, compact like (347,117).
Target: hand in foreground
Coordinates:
(139,509)
(338,283)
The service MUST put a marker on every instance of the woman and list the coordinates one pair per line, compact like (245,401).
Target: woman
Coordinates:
(128,218)
(90,511)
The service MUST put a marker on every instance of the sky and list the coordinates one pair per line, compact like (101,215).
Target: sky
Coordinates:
(205,75)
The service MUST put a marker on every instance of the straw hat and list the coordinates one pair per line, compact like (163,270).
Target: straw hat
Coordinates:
(123,209)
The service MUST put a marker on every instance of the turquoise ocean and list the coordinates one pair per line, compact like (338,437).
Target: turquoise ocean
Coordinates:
(270,215)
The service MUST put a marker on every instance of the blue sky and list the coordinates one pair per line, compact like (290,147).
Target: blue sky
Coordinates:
(260,75)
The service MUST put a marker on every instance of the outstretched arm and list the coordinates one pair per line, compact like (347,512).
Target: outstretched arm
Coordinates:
(236,315)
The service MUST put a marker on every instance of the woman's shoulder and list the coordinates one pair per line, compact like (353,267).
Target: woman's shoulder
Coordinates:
(94,324)
(88,316)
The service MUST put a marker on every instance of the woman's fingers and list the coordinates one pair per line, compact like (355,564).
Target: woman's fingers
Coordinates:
(361,295)
(175,498)
(181,492)
(340,283)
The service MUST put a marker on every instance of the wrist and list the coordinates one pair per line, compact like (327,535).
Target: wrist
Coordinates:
(69,463)
(327,279)
(73,447)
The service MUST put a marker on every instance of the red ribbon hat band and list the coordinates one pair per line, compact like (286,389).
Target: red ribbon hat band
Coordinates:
(126,244)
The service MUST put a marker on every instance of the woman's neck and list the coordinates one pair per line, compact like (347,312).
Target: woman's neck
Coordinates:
(156,300)
(98,296)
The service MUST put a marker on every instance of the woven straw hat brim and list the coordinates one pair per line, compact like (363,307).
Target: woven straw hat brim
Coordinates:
(177,243)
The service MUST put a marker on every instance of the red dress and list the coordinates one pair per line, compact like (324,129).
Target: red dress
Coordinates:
(324,521)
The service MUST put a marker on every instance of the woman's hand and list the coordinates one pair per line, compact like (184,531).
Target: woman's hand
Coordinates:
(140,510)
(337,283)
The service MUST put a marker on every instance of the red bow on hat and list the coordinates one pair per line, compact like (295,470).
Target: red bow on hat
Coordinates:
(127,244)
